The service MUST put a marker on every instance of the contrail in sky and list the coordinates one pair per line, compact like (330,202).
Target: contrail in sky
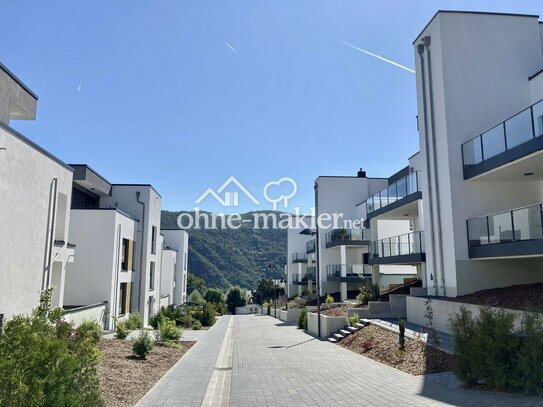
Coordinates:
(231,48)
(79,87)
(377,56)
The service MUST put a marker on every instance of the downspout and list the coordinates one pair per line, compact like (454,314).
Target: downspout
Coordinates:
(141,249)
(114,305)
(317,269)
(427,41)
(46,279)
(420,50)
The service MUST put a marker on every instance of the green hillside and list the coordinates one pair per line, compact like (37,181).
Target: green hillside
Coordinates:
(226,257)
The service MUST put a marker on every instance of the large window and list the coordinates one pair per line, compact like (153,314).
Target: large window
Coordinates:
(152,276)
(123,296)
(153,239)
(127,255)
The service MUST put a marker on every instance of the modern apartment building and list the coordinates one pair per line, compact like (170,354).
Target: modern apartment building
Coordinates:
(480,117)
(301,262)
(34,215)
(174,283)
(117,228)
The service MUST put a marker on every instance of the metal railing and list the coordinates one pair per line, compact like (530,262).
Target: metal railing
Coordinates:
(299,257)
(519,129)
(514,225)
(409,243)
(310,246)
(337,235)
(348,270)
(394,192)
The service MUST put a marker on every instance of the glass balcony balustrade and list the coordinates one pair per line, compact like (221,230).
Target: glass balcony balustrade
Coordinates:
(409,243)
(394,192)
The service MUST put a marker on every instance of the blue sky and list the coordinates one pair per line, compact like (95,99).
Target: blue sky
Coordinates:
(150,92)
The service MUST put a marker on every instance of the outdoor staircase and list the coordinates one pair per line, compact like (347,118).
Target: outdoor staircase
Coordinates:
(348,330)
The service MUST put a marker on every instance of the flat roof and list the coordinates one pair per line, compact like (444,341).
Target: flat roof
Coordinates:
(19,82)
(46,153)
(88,167)
(471,12)
(137,185)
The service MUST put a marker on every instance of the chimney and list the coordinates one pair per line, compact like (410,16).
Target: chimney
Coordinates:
(361,173)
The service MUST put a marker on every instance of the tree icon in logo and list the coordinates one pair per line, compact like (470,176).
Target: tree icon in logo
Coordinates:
(281,198)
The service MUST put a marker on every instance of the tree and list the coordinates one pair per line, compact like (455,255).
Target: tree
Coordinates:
(196,282)
(266,290)
(214,296)
(234,299)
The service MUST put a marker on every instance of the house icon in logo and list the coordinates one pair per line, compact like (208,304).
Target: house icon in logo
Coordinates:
(229,198)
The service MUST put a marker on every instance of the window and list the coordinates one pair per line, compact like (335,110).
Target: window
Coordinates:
(153,239)
(127,255)
(185,262)
(152,276)
(123,293)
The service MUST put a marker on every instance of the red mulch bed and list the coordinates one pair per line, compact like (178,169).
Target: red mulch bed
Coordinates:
(519,297)
(382,345)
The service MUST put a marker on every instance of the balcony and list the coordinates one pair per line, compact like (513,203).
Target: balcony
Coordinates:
(348,273)
(404,191)
(299,258)
(404,249)
(516,137)
(348,237)
(310,246)
(303,279)
(516,232)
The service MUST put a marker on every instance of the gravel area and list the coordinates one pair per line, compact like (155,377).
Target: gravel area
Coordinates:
(125,379)
(340,311)
(382,345)
(519,297)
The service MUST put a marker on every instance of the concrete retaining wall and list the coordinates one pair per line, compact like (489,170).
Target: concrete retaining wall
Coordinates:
(329,325)
(291,315)
(95,312)
(444,310)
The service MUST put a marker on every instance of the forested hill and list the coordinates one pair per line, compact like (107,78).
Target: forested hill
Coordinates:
(226,257)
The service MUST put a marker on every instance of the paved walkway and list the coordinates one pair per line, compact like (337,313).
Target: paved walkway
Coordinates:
(259,361)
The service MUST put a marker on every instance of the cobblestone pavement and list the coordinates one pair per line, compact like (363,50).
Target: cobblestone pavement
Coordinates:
(270,363)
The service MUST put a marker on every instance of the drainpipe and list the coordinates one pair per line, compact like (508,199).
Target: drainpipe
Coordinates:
(420,50)
(114,305)
(141,250)
(317,269)
(427,40)
(46,278)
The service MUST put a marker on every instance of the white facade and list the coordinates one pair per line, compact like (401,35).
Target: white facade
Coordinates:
(298,260)
(34,217)
(178,240)
(167,276)
(473,73)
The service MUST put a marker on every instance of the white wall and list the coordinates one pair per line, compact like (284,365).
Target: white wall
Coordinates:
(178,240)
(167,273)
(296,243)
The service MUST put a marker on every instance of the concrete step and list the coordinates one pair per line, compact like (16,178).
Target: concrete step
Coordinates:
(333,340)
(339,337)
(345,332)
(363,323)
(352,329)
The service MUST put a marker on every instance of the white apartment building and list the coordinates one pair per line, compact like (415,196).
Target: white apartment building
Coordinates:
(480,117)
(34,215)
(301,262)
(117,229)
(174,276)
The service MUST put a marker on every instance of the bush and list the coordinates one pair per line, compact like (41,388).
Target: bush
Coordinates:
(168,332)
(197,325)
(41,366)
(235,298)
(142,344)
(353,320)
(186,321)
(368,292)
(221,308)
(302,319)
(157,319)
(488,351)
(134,321)
(89,330)
(121,331)
(208,315)
(329,299)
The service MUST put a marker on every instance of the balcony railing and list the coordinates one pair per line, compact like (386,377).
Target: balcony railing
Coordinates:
(519,129)
(338,235)
(350,270)
(310,246)
(394,192)
(510,226)
(409,243)
(299,257)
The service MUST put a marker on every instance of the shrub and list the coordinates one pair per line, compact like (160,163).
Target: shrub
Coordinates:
(168,332)
(329,299)
(367,344)
(235,298)
(368,292)
(134,321)
(142,344)
(208,315)
(186,321)
(221,308)
(302,319)
(353,320)
(89,330)
(401,326)
(41,366)
(488,351)
(197,325)
(121,331)
(157,319)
